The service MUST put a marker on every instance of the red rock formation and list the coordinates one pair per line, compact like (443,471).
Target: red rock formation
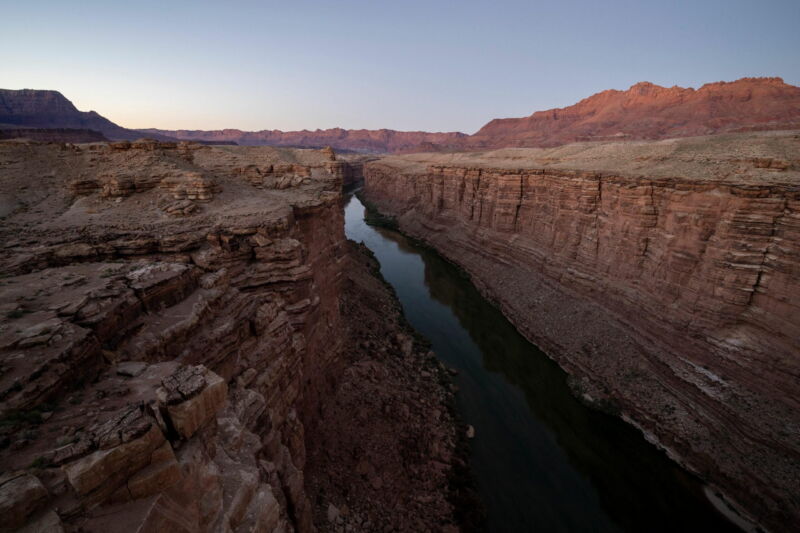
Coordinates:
(664,276)
(648,111)
(166,368)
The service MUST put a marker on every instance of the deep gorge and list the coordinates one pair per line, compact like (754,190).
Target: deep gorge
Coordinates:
(666,299)
(190,342)
(542,460)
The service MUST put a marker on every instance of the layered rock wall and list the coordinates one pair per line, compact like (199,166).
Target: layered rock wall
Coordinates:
(160,373)
(672,301)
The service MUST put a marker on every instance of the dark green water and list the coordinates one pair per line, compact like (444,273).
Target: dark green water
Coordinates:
(541,459)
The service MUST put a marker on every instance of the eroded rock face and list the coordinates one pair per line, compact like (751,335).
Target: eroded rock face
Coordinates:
(168,359)
(669,288)
(157,372)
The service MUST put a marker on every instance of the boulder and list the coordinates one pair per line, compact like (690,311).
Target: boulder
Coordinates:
(21,494)
(191,396)
(126,443)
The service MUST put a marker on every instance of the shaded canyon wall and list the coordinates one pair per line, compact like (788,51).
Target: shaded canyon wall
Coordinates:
(672,302)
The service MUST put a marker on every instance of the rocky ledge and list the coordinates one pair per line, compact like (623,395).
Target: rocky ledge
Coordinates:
(178,350)
(664,276)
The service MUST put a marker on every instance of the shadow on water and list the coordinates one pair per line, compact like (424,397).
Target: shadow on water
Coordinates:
(542,460)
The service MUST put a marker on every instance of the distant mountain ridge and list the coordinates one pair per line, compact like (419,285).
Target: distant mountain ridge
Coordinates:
(644,111)
(649,111)
(33,108)
(369,141)
(46,109)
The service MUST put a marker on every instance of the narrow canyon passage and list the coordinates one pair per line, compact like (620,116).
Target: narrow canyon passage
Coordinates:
(542,460)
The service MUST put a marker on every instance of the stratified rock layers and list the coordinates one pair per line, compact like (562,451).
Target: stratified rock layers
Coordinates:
(186,340)
(160,371)
(673,301)
(255,304)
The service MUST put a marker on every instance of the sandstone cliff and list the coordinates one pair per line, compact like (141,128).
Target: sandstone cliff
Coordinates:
(171,337)
(663,276)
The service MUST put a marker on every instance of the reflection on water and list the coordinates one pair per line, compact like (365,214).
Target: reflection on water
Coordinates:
(542,460)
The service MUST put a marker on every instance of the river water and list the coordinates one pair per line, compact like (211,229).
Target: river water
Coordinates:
(542,460)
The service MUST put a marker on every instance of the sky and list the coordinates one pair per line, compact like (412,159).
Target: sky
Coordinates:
(403,64)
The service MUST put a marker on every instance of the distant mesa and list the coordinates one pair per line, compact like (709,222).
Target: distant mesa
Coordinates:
(643,112)
(649,112)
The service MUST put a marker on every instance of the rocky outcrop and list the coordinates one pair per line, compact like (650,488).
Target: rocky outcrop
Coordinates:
(350,169)
(649,111)
(663,276)
(170,337)
(224,330)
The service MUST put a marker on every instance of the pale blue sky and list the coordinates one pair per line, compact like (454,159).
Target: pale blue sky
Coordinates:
(430,65)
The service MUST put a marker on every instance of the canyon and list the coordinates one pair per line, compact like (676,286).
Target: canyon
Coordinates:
(662,276)
(189,343)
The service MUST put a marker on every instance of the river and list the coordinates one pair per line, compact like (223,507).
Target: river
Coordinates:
(542,460)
